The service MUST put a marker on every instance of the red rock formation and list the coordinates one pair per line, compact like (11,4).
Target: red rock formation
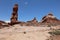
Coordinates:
(50,20)
(33,22)
(3,24)
(14,17)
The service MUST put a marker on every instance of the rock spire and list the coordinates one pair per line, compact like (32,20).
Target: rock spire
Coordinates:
(14,17)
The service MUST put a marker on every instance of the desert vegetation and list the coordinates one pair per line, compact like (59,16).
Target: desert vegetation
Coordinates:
(55,32)
(55,35)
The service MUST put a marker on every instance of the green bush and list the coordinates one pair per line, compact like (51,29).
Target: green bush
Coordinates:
(56,32)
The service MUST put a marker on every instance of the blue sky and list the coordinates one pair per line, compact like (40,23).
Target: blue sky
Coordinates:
(28,9)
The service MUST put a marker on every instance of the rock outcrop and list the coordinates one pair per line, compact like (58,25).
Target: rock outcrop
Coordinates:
(3,24)
(46,20)
(50,20)
(14,17)
(33,22)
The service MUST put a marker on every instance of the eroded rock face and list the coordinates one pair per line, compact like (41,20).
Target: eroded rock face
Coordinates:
(14,17)
(33,22)
(50,19)
(3,24)
(46,20)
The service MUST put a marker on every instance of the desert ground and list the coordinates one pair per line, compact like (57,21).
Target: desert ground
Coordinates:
(17,32)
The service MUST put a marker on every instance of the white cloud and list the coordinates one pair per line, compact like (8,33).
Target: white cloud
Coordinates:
(7,21)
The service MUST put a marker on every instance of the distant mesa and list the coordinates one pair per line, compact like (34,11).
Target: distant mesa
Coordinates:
(49,19)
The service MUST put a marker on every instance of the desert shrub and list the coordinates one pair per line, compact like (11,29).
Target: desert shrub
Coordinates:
(49,26)
(56,32)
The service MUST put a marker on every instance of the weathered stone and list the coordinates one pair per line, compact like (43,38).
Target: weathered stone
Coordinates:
(14,17)
(46,20)
(33,22)
(50,20)
(3,24)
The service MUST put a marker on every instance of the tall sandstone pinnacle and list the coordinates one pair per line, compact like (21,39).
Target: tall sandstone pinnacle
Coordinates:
(14,17)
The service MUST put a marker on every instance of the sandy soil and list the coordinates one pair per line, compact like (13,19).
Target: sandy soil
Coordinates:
(23,33)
